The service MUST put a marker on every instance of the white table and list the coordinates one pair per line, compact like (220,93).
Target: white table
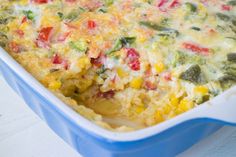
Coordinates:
(23,134)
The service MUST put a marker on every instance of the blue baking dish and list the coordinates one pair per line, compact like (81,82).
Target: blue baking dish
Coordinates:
(163,140)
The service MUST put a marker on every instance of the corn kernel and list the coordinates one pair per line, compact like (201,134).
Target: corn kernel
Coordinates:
(202,10)
(121,73)
(140,109)
(136,83)
(83,62)
(166,109)
(55,85)
(158,116)
(159,67)
(142,39)
(48,20)
(174,101)
(185,105)
(201,89)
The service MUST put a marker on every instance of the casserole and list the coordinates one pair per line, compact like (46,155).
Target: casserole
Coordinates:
(166,139)
(96,80)
(124,70)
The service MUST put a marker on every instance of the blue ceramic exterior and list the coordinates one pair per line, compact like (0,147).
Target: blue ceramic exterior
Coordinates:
(165,144)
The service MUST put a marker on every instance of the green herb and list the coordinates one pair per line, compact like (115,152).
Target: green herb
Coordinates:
(232,3)
(223,17)
(29,14)
(203,99)
(233,28)
(101,70)
(80,45)
(74,14)
(226,78)
(5,19)
(117,46)
(152,25)
(229,67)
(158,27)
(231,38)
(196,28)
(190,7)
(3,36)
(108,2)
(150,1)
(192,74)
(227,81)
(164,21)
(3,39)
(61,15)
(103,10)
(234,22)
(231,57)
(126,41)
(120,43)
(181,58)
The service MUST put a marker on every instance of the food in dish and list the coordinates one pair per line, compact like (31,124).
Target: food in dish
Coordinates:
(125,64)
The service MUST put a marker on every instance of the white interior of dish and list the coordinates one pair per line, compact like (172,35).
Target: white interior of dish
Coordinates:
(211,109)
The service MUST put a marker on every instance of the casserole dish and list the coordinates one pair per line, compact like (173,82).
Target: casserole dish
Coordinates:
(123,70)
(166,139)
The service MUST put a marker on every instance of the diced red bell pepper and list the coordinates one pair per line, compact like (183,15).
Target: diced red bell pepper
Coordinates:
(150,85)
(40,1)
(56,59)
(44,33)
(96,62)
(134,65)
(225,7)
(162,3)
(99,61)
(20,32)
(132,53)
(14,47)
(174,3)
(196,48)
(65,64)
(108,95)
(91,24)
(43,37)
(133,59)
(167,76)
(24,20)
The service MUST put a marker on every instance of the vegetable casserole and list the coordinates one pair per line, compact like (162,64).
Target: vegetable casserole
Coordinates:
(125,64)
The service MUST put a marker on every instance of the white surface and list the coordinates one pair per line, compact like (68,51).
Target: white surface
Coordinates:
(23,134)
